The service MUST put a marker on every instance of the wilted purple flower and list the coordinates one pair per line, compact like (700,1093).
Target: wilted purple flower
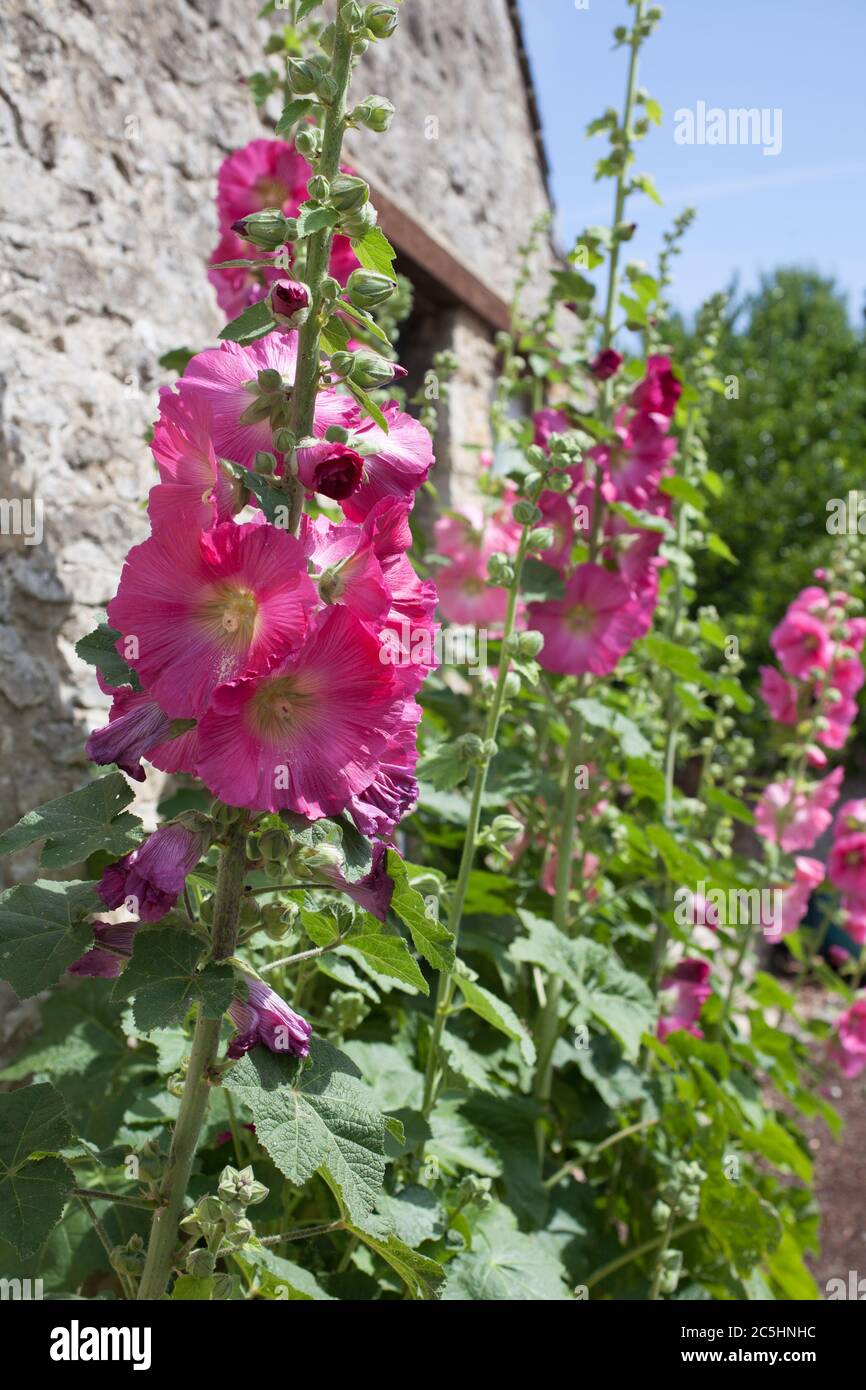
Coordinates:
(154,874)
(606,364)
(267,1019)
(374,891)
(112,946)
(136,724)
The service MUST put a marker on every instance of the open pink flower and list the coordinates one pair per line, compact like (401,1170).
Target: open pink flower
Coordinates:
(393,792)
(150,879)
(197,609)
(395,464)
(225,381)
(800,642)
(591,627)
(847,863)
(112,946)
(237,287)
(689,982)
(850,1048)
(851,815)
(192,485)
(779,695)
(796,819)
(264,1018)
(311,733)
(808,875)
(264,174)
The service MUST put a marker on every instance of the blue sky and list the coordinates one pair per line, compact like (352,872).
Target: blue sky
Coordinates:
(804,205)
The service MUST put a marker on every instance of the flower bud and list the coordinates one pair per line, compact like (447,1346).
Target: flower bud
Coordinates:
(330,468)
(529,644)
(267,229)
(200,1263)
(308,141)
(541,539)
(367,288)
(366,368)
(381,20)
(337,434)
(374,112)
(356,224)
(304,75)
(318,189)
(289,302)
(348,192)
(512,685)
(526,513)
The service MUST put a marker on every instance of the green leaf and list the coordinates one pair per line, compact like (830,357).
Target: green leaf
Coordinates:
(505,1266)
(273,501)
(175,360)
(432,938)
(293,112)
(164,978)
(365,320)
(415,1215)
(99,649)
(746,1227)
(539,582)
(375,252)
(255,321)
(602,716)
(367,404)
(280,1279)
(188,1288)
(421,1275)
(645,779)
(721,548)
(683,491)
(731,805)
(316,1116)
(498,1014)
(80,823)
(34,1184)
(673,657)
(313,218)
(42,932)
(389,955)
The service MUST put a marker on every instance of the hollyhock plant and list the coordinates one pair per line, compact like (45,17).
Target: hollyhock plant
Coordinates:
(198,608)
(779,695)
(591,627)
(152,877)
(264,1019)
(606,364)
(373,891)
(332,469)
(112,947)
(849,1050)
(689,983)
(809,874)
(801,642)
(796,817)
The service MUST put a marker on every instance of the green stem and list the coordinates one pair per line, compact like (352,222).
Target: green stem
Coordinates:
(659,1269)
(98,1194)
(607,1143)
(318,257)
(102,1235)
(635,1254)
(196,1091)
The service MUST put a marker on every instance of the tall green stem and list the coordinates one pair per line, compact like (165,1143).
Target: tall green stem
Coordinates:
(196,1091)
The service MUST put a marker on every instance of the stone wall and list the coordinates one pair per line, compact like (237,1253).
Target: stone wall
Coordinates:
(114,117)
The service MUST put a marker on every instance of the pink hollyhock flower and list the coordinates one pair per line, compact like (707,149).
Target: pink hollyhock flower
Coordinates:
(591,627)
(136,724)
(606,364)
(311,733)
(289,301)
(264,174)
(779,695)
(374,891)
(199,608)
(840,716)
(847,863)
(112,945)
(589,870)
(264,1018)
(700,912)
(557,514)
(192,485)
(237,287)
(854,920)
(395,464)
(151,878)
(334,470)
(659,391)
(808,874)
(800,642)
(846,674)
(224,381)
(464,594)
(688,980)
(546,423)
(633,464)
(851,815)
(796,819)
(393,792)
(850,1049)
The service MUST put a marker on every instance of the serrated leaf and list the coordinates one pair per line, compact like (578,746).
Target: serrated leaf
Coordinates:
(421,1275)
(316,1116)
(42,932)
(375,252)
(432,938)
(99,649)
(390,956)
(293,112)
(504,1265)
(498,1014)
(280,1279)
(34,1187)
(165,982)
(255,321)
(76,825)
(313,218)
(368,405)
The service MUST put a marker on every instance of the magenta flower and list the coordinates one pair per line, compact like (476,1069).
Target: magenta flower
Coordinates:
(149,881)
(800,642)
(589,629)
(374,891)
(808,874)
(224,380)
(334,470)
(395,464)
(237,287)
(393,792)
(606,364)
(689,983)
(136,725)
(264,1018)
(793,818)
(547,422)
(197,609)
(289,301)
(847,863)
(850,1048)
(851,815)
(659,391)
(192,485)
(264,174)
(310,734)
(779,695)
(112,946)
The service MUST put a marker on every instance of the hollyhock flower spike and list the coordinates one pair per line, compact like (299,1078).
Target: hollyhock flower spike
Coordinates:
(197,608)
(263,1018)
(150,879)
(796,819)
(689,981)
(849,1050)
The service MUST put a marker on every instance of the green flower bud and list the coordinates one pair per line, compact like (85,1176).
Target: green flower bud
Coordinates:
(308,142)
(469,748)
(326,89)
(370,370)
(267,229)
(381,20)
(284,440)
(318,188)
(357,223)
(512,685)
(200,1263)
(526,513)
(304,75)
(374,112)
(348,193)
(530,644)
(535,456)
(223,1286)
(367,288)
(541,539)
(336,434)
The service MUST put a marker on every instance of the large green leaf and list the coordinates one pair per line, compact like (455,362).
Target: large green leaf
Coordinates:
(316,1115)
(390,956)
(76,825)
(35,1184)
(498,1014)
(99,649)
(432,938)
(505,1265)
(421,1275)
(164,977)
(42,932)
(280,1279)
